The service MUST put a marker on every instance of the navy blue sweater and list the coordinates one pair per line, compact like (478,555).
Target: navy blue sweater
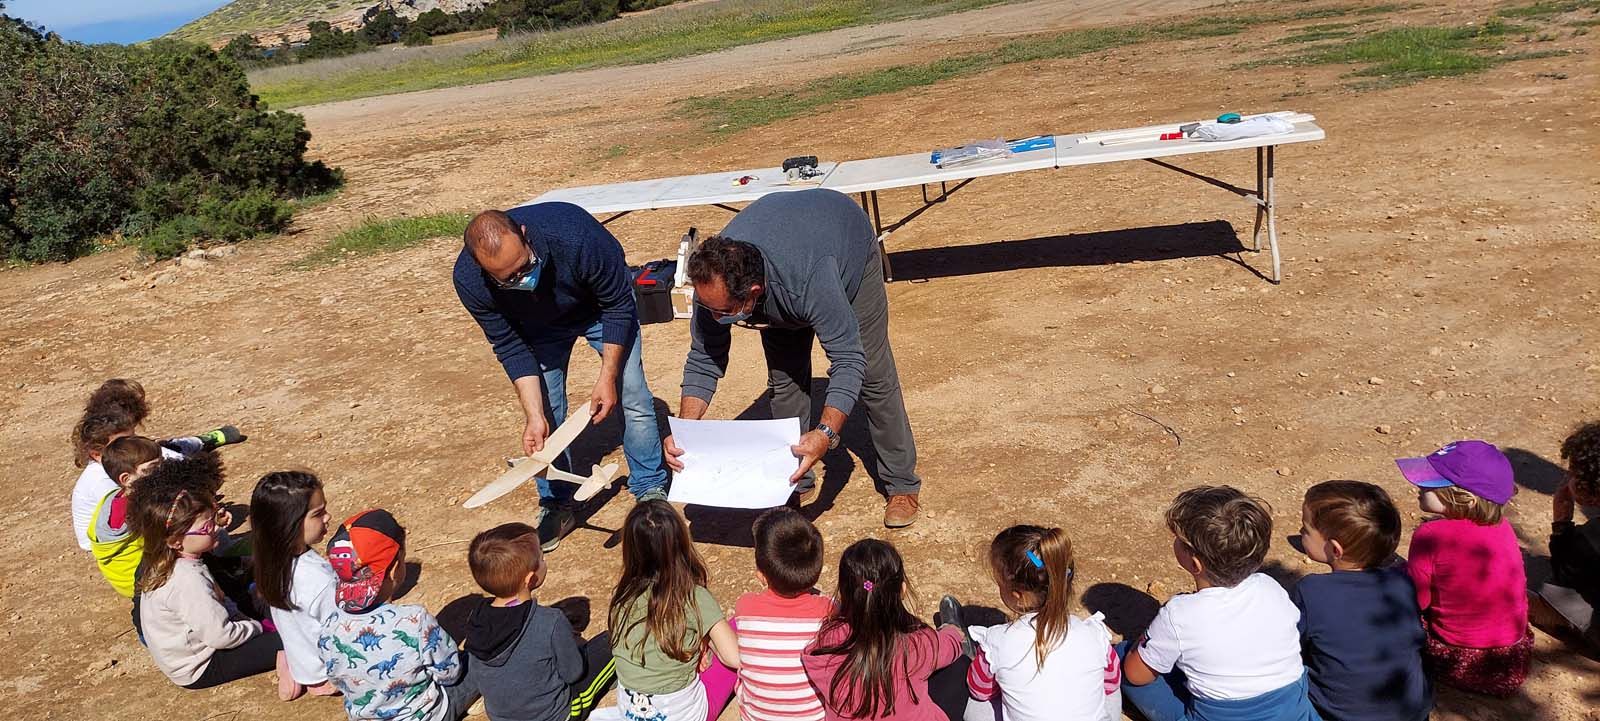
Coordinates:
(585,279)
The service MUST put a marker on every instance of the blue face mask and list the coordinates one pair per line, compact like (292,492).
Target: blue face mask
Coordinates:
(735,318)
(528,279)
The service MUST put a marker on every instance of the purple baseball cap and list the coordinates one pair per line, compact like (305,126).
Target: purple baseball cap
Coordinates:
(1475,466)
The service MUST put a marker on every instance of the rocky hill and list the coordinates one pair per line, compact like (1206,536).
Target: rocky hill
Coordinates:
(273,21)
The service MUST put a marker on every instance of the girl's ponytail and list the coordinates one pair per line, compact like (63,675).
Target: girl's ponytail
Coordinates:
(1055,609)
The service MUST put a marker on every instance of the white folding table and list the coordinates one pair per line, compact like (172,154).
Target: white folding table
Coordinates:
(867,177)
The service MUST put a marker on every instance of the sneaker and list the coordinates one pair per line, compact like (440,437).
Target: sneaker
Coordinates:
(659,493)
(901,511)
(554,525)
(224,436)
(950,614)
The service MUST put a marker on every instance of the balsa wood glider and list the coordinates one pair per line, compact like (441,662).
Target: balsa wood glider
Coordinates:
(524,469)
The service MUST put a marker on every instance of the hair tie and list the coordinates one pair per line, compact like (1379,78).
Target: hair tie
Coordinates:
(867,585)
(1069,574)
(174,508)
(1033,557)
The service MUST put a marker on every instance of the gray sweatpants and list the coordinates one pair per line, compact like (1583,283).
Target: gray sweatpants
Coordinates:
(788,354)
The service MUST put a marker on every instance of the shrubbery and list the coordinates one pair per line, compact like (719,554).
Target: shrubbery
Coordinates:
(162,142)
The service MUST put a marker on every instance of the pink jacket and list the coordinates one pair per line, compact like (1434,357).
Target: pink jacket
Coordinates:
(923,652)
(1471,586)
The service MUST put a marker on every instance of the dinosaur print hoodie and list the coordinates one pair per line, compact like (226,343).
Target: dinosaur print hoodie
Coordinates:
(391,663)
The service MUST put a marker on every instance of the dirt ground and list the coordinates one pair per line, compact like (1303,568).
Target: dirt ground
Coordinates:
(1439,256)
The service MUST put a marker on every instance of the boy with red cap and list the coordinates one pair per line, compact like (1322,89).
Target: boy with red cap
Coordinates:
(390,661)
(1467,567)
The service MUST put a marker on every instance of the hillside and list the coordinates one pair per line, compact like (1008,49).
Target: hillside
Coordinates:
(260,17)
(267,19)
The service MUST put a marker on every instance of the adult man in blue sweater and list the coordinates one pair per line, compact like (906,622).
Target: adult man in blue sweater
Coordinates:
(536,279)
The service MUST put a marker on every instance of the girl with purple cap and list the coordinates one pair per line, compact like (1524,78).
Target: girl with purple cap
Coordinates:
(1467,566)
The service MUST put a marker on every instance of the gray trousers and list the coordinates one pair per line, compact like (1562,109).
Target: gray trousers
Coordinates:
(788,354)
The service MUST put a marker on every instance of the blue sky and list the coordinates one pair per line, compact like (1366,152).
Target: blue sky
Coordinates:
(110,21)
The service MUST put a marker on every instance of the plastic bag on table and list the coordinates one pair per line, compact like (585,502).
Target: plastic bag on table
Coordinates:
(974,152)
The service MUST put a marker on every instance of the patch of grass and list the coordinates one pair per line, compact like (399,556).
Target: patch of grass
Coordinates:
(672,32)
(1547,8)
(616,151)
(1591,22)
(1315,35)
(377,235)
(736,111)
(1403,55)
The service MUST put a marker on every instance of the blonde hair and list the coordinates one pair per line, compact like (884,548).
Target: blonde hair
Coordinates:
(1460,503)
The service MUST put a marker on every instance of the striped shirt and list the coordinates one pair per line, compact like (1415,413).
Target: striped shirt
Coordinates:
(773,632)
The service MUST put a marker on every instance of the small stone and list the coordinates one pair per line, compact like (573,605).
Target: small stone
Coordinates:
(327,300)
(1374,381)
(1231,374)
(196,253)
(1157,389)
(1285,471)
(1436,395)
(1238,410)
(221,251)
(1416,382)
(1435,351)
(191,262)
(1303,374)
(355,404)
(1384,429)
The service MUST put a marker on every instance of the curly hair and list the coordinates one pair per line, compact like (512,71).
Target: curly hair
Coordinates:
(95,430)
(118,394)
(737,263)
(1581,451)
(1227,530)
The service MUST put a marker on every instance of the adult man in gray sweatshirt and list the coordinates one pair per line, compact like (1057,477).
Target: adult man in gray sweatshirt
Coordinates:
(799,266)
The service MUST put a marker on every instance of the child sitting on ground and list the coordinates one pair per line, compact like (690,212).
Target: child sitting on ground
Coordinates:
(390,661)
(775,626)
(113,539)
(194,634)
(1230,649)
(1573,591)
(526,660)
(1047,664)
(117,408)
(874,659)
(289,515)
(1360,630)
(1467,567)
(662,619)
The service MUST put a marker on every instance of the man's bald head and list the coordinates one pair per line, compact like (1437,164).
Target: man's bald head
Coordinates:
(488,231)
(496,242)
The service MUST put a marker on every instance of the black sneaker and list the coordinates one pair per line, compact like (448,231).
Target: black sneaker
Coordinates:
(554,525)
(950,613)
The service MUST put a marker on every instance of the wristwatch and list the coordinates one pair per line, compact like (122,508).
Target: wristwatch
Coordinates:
(833,438)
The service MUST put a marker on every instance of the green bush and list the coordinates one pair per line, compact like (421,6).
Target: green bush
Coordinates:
(171,238)
(254,213)
(163,140)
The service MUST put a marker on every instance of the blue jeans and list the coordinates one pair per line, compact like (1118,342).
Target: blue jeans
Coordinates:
(1168,699)
(641,437)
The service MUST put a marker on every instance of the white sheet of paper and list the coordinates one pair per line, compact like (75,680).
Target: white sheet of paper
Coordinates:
(735,464)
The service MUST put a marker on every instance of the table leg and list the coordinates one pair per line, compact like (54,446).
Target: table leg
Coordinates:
(1259,199)
(1271,204)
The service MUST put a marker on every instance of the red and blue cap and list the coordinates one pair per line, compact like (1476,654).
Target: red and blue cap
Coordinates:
(1473,466)
(361,552)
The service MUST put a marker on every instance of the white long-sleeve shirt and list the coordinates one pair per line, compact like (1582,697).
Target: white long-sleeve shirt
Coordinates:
(93,484)
(186,621)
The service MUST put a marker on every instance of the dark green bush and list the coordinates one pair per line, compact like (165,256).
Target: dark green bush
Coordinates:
(171,238)
(163,140)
